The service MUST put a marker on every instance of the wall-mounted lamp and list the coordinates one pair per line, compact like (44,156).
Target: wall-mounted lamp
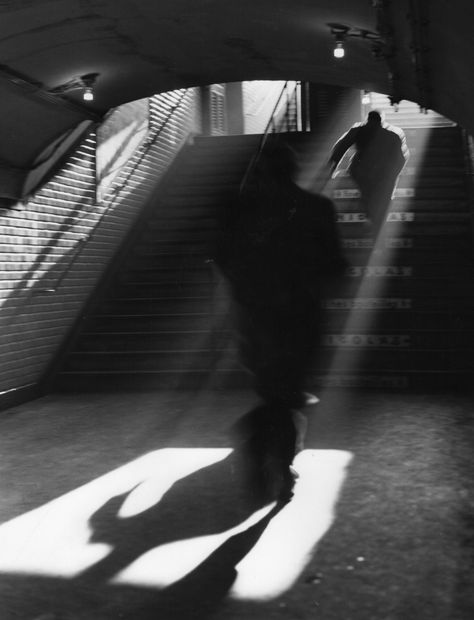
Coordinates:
(340,32)
(81,82)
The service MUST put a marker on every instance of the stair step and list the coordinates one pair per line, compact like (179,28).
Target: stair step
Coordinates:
(233,378)
(407,246)
(429,244)
(393,360)
(154,340)
(414,222)
(429,338)
(444,260)
(145,361)
(187,288)
(406,287)
(412,194)
(87,381)
(407,224)
(362,359)
(441,172)
(434,304)
(421,270)
(392,287)
(199,322)
(213,142)
(197,273)
(310,142)
(398,380)
(219,297)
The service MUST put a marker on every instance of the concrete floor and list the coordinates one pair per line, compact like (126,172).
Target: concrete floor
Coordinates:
(131,506)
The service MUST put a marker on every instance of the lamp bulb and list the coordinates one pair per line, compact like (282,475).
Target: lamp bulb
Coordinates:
(88,94)
(339,50)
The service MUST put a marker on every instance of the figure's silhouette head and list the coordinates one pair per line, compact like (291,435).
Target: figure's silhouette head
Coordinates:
(277,159)
(375,117)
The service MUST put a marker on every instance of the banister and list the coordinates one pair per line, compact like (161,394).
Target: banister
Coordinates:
(264,137)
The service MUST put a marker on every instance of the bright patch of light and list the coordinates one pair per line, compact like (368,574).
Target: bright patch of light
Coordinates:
(339,51)
(54,540)
(281,554)
(168,563)
(88,94)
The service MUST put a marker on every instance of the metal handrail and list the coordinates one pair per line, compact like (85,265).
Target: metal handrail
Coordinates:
(264,137)
(147,143)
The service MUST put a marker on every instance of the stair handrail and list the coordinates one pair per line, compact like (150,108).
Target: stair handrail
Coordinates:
(145,148)
(149,142)
(271,123)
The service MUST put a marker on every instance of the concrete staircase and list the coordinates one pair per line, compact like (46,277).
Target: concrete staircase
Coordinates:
(401,319)
(164,319)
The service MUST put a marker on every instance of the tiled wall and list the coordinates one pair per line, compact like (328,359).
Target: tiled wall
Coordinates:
(54,250)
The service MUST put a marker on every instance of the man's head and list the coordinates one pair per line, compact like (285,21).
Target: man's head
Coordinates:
(278,159)
(375,116)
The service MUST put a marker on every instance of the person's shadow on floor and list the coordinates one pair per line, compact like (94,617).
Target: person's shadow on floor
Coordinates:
(210,501)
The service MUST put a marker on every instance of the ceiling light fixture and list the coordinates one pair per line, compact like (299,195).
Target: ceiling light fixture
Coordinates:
(88,94)
(339,51)
(81,82)
(340,32)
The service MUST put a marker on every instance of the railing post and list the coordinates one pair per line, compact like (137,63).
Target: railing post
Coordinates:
(469,173)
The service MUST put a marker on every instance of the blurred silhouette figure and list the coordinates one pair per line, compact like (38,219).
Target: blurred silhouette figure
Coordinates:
(279,251)
(380,155)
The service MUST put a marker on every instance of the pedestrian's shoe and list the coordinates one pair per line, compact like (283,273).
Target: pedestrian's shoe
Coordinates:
(310,399)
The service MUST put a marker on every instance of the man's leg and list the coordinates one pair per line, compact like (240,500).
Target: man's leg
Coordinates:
(380,201)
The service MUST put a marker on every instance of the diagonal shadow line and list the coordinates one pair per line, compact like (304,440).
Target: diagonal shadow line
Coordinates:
(197,596)
(199,593)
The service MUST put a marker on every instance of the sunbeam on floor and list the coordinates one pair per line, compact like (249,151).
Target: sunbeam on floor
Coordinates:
(70,535)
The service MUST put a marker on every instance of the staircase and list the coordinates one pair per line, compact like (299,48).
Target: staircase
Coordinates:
(402,319)
(164,320)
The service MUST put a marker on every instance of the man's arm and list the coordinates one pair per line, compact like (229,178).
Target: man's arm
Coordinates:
(403,141)
(342,145)
(405,151)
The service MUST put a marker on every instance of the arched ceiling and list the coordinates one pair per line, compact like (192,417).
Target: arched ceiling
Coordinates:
(141,47)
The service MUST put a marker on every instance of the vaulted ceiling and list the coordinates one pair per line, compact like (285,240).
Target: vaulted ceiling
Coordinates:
(419,50)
